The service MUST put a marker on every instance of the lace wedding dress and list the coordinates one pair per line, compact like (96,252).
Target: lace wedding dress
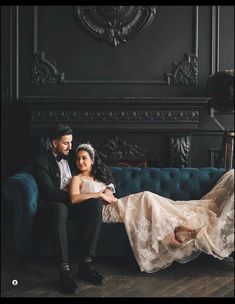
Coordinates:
(150,221)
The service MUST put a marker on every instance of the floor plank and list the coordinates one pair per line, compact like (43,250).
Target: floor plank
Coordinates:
(226,289)
(203,277)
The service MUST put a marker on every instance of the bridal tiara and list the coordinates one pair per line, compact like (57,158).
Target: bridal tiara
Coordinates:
(87,147)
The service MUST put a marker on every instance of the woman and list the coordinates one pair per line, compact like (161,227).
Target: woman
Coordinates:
(160,230)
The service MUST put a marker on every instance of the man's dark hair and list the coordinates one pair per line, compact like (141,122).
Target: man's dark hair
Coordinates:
(60,130)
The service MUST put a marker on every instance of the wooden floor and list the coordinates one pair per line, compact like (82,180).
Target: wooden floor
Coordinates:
(203,277)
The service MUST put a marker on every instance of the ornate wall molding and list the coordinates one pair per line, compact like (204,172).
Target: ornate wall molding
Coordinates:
(215,38)
(184,73)
(119,150)
(113,150)
(43,72)
(180,147)
(117,116)
(115,24)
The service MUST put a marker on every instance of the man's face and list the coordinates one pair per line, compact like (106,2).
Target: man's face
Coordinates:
(63,145)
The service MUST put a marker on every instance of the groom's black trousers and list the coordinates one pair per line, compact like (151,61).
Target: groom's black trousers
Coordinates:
(52,219)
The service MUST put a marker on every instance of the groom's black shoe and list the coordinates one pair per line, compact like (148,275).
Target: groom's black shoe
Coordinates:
(67,283)
(88,273)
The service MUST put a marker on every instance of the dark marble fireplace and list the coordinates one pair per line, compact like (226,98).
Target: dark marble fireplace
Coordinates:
(127,131)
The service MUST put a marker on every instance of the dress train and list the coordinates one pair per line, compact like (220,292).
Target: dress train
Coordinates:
(150,221)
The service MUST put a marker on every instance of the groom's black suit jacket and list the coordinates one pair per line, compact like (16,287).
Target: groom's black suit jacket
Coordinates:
(47,174)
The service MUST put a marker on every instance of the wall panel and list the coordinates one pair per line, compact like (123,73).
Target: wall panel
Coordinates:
(49,62)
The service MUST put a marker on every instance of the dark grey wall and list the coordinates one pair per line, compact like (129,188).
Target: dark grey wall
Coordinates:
(53,70)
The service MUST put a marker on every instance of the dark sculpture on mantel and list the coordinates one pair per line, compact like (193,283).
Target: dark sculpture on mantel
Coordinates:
(117,152)
(116,24)
(180,148)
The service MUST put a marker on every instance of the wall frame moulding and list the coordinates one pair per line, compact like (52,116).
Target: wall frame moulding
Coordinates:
(184,72)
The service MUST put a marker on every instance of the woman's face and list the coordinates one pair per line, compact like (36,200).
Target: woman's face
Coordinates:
(84,161)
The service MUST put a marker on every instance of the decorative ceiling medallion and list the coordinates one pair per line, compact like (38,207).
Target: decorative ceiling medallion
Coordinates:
(116,24)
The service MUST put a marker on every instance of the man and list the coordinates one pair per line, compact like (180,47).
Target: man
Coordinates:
(53,172)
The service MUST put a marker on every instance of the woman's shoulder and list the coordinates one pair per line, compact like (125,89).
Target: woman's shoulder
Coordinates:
(77,178)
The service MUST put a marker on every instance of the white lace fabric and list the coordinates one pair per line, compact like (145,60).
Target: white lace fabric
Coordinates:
(90,186)
(150,220)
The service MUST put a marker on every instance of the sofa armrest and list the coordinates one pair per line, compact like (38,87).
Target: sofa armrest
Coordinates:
(21,193)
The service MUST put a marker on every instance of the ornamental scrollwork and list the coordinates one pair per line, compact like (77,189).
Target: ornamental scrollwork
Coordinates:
(44,72)
(185,73)
(115,24)
(117,116)
(117,149)
(180,147)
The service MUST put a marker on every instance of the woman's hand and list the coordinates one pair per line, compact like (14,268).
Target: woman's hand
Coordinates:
(108,197)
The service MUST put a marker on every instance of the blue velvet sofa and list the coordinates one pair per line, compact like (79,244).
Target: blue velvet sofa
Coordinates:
(21,195)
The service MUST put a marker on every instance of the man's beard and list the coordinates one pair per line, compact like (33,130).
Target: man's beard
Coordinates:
(66,157)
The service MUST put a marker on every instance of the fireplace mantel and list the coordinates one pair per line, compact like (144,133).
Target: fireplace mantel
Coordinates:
(174,118)
(120,114)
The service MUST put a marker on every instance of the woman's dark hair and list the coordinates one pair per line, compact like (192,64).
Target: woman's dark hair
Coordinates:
(100,171)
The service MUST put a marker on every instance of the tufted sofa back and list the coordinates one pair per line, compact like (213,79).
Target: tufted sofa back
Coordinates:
(174,183)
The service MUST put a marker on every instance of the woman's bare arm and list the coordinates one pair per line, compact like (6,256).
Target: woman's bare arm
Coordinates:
(74,191)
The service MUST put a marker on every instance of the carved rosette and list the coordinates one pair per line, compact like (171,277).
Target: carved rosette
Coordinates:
(109,116)
(185,73)
(116,24)
(43,72)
